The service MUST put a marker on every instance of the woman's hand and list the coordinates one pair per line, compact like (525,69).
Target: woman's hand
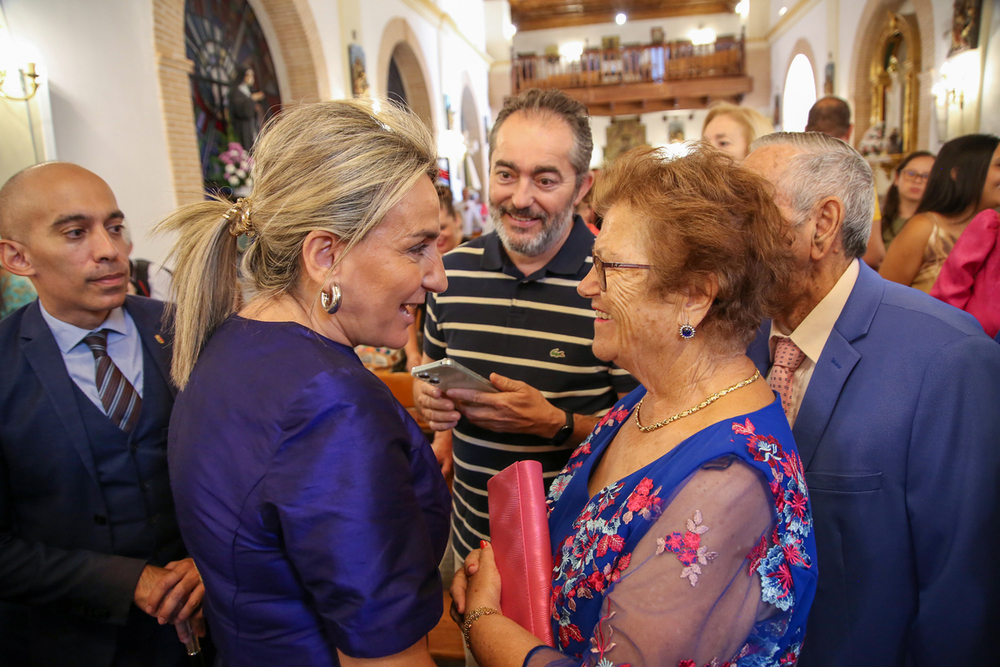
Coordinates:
(483,585)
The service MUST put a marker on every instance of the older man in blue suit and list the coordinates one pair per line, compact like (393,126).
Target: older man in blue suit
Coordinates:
(894,399)
(90,554)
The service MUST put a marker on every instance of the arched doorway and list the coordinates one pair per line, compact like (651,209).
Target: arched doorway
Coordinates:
(799,94)
(472,132)
(401,71)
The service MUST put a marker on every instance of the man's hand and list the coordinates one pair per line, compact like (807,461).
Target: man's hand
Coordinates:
(193,627)
(516,408)
(172,593)
(437,409)
(443,452)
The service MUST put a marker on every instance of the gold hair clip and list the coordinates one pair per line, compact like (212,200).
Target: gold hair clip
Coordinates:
(238,217)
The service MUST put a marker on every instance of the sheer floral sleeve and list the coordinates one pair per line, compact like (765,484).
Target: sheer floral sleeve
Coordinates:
(689,594)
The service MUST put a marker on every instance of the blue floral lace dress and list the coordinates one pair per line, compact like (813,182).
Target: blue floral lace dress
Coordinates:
(706,556)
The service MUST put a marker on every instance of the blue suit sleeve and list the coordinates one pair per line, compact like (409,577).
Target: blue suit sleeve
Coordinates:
(952,499)
(350,486)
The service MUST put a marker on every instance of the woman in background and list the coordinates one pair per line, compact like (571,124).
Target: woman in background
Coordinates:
(970,277)
(903,196)
(732,129)
(309,499)
(965,180)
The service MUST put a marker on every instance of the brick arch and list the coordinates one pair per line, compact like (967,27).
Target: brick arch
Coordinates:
(400,42)
(873,19)
(300,50)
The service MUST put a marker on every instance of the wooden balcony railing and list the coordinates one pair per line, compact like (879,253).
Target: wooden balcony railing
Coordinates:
(648,63)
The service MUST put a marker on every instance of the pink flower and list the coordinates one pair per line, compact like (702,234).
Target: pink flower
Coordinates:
(596,581)
(692,540)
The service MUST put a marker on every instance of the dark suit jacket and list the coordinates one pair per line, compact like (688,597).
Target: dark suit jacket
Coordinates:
(899,433)
(56,556)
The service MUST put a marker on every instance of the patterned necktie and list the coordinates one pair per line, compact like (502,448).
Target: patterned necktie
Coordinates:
(787,358)
(120,399)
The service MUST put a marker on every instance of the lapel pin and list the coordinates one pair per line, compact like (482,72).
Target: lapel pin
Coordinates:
(159,339)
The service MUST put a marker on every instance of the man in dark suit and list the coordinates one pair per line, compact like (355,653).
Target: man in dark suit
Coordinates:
(91,560)
(893,398)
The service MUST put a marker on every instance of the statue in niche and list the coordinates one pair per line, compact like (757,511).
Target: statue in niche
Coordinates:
(831,70)
(243,100)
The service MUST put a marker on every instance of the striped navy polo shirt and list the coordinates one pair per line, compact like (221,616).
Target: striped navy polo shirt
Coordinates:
(535,329)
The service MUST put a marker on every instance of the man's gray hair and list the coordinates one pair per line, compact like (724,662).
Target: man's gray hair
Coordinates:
(827,167)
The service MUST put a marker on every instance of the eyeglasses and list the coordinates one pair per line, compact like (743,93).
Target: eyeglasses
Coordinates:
(909,174)
(601,266)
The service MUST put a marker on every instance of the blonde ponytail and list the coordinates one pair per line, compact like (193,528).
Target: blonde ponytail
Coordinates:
(337,166)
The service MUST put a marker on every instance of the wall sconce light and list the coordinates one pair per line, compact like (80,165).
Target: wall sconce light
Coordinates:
(30,84)
(949,88)
(17,64)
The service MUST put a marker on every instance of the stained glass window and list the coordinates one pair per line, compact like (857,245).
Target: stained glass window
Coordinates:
(224,39)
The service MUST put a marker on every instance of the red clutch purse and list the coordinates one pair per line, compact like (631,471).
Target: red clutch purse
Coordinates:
(519,529)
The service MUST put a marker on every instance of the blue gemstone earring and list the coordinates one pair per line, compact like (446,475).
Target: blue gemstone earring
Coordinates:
(687,331)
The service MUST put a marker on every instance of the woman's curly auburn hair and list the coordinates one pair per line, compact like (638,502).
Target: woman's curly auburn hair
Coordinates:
(702,216)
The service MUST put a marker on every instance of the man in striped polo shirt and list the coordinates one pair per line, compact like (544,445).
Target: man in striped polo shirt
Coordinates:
(512,313)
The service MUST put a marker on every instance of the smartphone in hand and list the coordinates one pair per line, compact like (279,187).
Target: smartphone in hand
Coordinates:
(449,374)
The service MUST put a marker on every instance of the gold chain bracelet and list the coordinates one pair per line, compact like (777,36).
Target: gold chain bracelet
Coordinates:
(474,616)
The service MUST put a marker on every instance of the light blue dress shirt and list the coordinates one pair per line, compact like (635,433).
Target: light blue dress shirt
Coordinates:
(124,348)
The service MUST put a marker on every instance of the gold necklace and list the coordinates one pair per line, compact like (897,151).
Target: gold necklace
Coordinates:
(690,411)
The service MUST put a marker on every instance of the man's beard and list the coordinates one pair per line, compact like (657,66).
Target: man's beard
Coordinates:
(531,246)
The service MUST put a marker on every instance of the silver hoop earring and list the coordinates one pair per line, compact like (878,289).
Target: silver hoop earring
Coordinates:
(687,331)
(331,301)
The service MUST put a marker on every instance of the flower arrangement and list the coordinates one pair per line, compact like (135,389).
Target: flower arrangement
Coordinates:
(237,166)
(873,142)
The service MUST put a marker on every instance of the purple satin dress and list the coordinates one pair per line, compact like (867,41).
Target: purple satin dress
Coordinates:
(310,500)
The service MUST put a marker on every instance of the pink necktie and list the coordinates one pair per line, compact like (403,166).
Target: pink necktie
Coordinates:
(787,358)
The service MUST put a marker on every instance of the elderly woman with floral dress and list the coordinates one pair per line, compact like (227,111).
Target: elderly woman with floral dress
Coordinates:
(681,529)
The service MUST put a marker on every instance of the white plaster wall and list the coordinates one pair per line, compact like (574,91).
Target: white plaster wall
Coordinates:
(104,95)
(850,26)
(326,14)
(783,49)
(633,32)
(470,16)
(20,136)
(990,41)
(451,62)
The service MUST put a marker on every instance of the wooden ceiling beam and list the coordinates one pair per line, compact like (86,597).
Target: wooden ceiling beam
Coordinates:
(564,13)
